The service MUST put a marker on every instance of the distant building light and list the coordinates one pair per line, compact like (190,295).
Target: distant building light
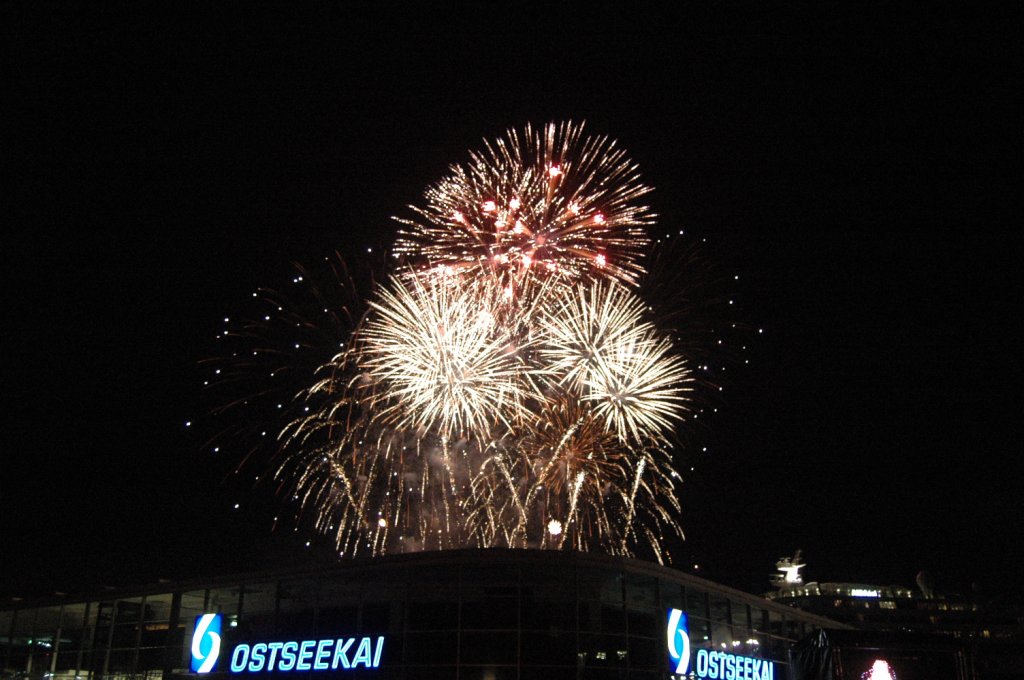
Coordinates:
(863,592)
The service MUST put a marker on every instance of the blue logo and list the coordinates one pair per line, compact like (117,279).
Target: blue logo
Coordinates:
(678,641)
(206,643)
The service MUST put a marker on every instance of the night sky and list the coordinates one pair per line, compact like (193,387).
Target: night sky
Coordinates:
(857,171)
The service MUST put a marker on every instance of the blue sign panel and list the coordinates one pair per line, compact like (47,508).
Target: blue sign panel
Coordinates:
(206,643)
(678,641)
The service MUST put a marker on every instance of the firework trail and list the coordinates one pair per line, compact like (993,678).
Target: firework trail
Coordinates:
(507,385)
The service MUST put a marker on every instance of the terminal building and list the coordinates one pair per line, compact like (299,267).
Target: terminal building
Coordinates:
(467,615)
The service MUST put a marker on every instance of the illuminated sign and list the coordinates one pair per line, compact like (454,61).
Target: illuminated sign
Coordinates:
(725,666)
(206,643)
(863,592)
(678,641)
(329,654)
(307,655)
(708,663)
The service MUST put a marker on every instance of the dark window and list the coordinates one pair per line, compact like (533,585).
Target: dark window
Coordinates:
(696,603)
(120,661)
(641,592)
(340,621)
(548,673)
(672,596)
(644,675)
(549,615)
(430,673)
(548,648)
(433,615)
(430,648)
(601,585)
(488,673)
(66,661)
(381,617)
(602,617)
(647,624)
(488,648)
(490,613)
(150,659)
(605,673)
(646,653)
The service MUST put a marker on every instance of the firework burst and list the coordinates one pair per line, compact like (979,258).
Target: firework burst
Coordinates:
(597,342)
(443,360)
(536,203)
(507,385)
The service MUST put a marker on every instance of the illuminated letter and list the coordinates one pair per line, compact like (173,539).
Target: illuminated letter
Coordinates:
(713,665)
(259,657)
(702,662)
(273,647)
(236,665)
(305,654)
(362,654)
(288,650)
(323,652)
(730,667)
(376,654)
(340,650)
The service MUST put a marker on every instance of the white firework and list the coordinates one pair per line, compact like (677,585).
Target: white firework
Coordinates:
(597,343)
(441,359)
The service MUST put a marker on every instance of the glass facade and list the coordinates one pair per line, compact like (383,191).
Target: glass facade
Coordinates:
(470,615)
